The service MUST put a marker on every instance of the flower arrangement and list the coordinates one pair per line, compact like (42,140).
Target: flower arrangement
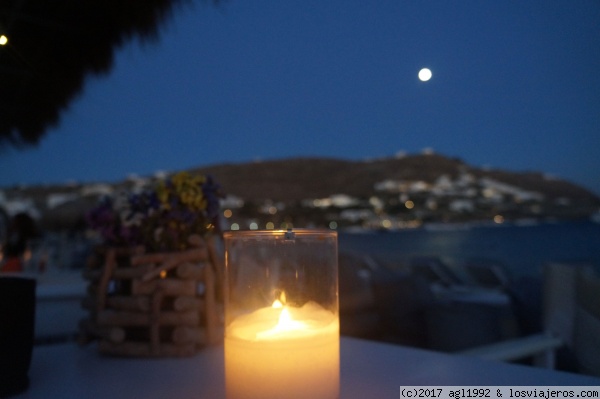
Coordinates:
(162,217)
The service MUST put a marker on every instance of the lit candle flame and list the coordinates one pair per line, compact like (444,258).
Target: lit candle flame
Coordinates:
(278,303)
(285,321)
(284,324)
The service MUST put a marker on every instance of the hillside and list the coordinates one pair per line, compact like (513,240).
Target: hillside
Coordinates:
(289,181)
(299,178)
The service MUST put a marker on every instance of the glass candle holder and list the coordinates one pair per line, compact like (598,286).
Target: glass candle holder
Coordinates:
(281,314)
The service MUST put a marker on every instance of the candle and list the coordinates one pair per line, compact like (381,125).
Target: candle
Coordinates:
(283,352)
(278,347)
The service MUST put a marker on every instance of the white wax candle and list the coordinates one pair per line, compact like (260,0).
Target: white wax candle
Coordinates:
(283,353)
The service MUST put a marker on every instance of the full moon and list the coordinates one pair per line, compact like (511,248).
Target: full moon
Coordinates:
(425,74)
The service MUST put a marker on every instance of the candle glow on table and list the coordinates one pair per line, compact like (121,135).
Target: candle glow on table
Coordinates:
(283,351)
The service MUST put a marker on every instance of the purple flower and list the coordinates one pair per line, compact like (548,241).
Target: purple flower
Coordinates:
(161,217)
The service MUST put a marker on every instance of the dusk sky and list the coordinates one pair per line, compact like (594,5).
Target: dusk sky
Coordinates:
(516,86)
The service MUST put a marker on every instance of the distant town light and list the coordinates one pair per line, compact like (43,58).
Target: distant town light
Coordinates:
(227,213)
(488,192)
(270,225)
(235,226)
(333,225)
(3,40)
(409,204)
(499,219)
(253,226)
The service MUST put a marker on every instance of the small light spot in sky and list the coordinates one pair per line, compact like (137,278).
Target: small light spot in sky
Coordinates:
(425,74)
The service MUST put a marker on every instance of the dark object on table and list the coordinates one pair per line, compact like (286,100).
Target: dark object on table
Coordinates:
(17,319)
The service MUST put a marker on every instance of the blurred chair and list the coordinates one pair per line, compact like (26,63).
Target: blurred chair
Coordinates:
(487,273)
(358,317)
(572,312)
(402,301)
(432,269)
(466,321)
(571,323)
(379,303)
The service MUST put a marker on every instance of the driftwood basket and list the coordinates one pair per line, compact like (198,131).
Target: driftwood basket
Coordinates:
(153,304)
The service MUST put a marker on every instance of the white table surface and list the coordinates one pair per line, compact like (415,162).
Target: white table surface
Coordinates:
(368,370)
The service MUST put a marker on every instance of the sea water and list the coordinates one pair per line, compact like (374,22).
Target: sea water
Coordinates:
(522,249)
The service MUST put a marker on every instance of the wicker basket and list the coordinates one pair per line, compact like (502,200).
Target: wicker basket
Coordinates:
(153,304)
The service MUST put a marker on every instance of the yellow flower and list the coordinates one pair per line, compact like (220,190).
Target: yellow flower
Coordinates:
(179,179)
(162,192)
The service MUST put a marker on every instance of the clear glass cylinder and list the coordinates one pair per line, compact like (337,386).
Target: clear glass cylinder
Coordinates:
(281,314)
